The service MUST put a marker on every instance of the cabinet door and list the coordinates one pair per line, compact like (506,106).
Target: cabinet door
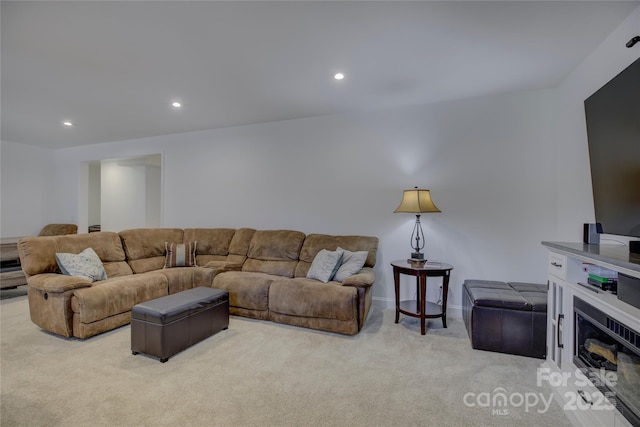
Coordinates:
(555,322)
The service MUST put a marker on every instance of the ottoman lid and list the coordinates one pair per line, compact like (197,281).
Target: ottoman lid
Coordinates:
(499,298)
(173,307)
(490,284)
(512,295)
(536,293)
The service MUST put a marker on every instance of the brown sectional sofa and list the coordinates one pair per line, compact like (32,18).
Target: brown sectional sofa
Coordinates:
(264,272)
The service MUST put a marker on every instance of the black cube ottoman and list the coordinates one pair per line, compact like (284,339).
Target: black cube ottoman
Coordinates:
(506,317)
(165,326)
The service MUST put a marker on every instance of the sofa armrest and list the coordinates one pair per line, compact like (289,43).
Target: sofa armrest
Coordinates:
(364,278)
(221,267)
(54,282)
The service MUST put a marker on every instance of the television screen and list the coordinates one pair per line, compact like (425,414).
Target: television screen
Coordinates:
(613,129)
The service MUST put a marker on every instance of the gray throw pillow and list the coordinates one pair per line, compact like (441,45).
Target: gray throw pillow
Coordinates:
(352,263)
(86,264)
(325,265)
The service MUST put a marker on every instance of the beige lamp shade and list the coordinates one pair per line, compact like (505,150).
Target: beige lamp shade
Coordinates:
(416,201)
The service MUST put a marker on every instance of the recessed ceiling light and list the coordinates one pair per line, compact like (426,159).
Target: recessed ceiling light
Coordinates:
(338,76)
(176,104)
(67,123)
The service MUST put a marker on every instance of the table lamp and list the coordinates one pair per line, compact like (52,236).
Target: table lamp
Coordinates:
(417,201)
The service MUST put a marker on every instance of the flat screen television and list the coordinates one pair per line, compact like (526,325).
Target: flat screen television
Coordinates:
(613,130)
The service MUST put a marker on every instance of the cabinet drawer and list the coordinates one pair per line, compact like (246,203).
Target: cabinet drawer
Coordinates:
(558,265)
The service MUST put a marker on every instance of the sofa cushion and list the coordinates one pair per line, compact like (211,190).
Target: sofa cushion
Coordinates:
(115,296)
(310,298)
(38,254)
(180,254)
(58,229)
(183,278)
(117,269)
(145,246)
(314,243)
(274,252)
(351,263)
(239,246)
(247,290)
(86,264)
(325,265)
(213,243)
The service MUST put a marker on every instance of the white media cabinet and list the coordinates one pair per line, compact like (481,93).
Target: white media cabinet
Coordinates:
(583,403)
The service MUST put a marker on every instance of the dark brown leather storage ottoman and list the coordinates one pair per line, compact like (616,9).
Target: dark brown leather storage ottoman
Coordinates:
(506,317)
(165,326)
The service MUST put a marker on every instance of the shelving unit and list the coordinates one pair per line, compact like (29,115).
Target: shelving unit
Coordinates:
(11,274)
(583,403)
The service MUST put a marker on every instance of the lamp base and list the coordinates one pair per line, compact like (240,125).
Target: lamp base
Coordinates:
(417,263)
(418,256)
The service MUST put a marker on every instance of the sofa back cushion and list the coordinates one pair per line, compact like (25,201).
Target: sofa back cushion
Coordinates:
(239,246)
(213,243)
(314,243)
(38,254)
(145,248)
(274,252)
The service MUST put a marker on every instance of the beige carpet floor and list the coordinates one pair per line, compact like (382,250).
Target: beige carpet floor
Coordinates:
(260,373)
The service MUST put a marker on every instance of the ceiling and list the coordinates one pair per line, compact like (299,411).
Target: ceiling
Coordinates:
(113,68)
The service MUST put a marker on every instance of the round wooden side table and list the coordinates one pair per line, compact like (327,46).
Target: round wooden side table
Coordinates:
(421,308)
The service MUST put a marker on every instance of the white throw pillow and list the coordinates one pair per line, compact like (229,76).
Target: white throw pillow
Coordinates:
(325,265)
(86,264)
(352,263)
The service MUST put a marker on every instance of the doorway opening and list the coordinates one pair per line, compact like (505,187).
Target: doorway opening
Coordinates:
(119,194)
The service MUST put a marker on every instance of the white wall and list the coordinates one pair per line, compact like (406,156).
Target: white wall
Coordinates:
(123,200)
(26,175)
(130,194)
(153,196)
(93,211)
(486,161)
